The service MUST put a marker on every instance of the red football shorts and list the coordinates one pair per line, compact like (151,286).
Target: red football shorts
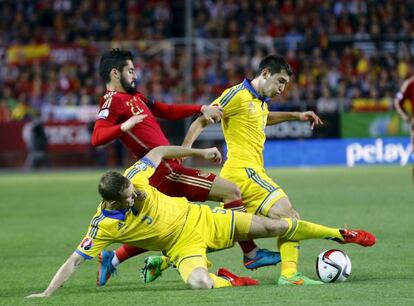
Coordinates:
(177,181)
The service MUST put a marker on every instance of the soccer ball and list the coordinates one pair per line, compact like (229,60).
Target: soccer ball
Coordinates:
(333,266)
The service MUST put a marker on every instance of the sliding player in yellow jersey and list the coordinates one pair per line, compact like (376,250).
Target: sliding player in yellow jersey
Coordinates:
(245,116)
(134,212)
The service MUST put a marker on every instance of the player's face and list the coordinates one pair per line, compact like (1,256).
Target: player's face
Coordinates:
(129,77)
(274,84)
(128,196)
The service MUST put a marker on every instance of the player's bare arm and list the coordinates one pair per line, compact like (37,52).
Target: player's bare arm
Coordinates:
(212,113)
(131,122)
(166,152)
(61,276)
(279,117)
(196,128)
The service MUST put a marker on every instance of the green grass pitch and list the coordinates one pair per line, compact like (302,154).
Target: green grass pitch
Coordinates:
(44,216)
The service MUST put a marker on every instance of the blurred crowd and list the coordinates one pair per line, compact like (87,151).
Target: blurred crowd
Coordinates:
(317,37)
(64,21)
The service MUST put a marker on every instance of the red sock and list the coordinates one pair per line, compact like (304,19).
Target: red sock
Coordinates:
(237,205)
(126,251)
(247,246)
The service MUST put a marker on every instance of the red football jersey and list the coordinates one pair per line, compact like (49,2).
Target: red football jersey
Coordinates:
(407,91)
(117,107)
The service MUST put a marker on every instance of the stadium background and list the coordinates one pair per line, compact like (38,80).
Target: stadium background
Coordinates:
(349,59)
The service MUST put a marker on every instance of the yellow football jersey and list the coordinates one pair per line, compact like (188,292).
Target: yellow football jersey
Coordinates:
(244,120)
(154,223)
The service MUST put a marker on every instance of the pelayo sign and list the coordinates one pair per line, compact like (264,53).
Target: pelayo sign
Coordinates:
(346,152)
(378,152)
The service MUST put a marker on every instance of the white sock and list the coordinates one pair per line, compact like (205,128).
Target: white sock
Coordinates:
(252,253)
(115,261)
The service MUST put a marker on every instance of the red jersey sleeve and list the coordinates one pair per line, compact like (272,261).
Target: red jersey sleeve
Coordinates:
(108,125)
(104,132)
(406,90)
(172,111)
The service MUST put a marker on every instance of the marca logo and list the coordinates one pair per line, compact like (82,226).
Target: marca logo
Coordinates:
(68,134)
(378,153)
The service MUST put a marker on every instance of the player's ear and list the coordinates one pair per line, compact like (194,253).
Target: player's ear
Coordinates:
(265,73)
(115,73)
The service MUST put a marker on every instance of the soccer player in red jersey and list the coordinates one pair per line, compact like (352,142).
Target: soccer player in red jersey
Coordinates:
(128,115)
(406,93)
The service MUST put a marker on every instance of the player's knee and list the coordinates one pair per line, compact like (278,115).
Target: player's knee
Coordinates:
(288,212)
(199,279)
(291,212)
(295,214)
(232,192)
(275,227)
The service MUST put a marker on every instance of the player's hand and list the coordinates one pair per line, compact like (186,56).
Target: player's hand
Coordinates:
(37,295)
(212,154)
(131,122)
(212,114)
(311,117)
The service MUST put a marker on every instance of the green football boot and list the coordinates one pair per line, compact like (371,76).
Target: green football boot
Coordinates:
(153,267)
(297,279)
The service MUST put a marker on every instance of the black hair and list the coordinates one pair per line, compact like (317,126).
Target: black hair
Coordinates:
(111,185)
(115,58)
(275,64)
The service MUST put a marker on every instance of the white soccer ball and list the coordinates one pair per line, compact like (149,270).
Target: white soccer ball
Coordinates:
(333,266)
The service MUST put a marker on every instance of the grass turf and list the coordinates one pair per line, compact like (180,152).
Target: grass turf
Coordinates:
(44,216)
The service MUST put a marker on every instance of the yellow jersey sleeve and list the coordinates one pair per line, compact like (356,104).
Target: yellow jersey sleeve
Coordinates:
(140,172)
(90,247)
(229,101)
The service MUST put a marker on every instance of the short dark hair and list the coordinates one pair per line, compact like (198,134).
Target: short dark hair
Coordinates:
(275,64)
(111,185)
(115,58)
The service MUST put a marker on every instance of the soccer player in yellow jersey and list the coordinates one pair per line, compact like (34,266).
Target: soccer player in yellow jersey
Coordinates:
(134,212)
(245,116)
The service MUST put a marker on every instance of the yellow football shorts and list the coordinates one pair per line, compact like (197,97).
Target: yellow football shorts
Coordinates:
(258,190)
(205,230)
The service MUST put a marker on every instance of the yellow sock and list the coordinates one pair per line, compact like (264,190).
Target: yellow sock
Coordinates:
(289,253)
(219,282)
(165,263)
(301,230)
